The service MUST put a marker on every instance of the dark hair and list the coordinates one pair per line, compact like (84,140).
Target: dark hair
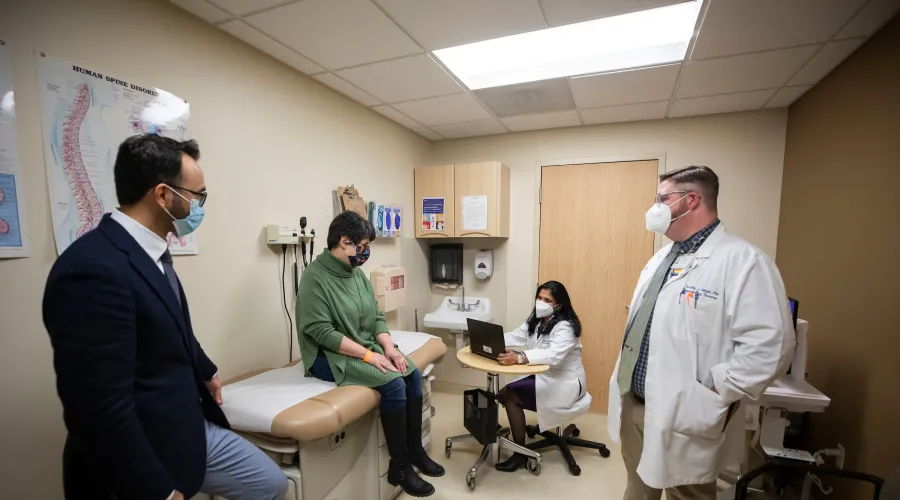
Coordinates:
(564,313)
(145,161)
(703,177)
(353,226)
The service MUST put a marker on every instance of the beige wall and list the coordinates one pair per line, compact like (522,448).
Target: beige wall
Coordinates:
(274,144)
(745,149)
(837,250)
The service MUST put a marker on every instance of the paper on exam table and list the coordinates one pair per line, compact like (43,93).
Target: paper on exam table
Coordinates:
(410,342)
(252,404)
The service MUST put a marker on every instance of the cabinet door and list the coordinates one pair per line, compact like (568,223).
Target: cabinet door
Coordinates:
(482,200)
(433,188)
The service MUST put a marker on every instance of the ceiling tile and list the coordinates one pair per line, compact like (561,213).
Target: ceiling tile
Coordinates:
(559,12)
(397,116)
(739,26)
(241,30)
(786,96)
(872,17)
(826,60)
(625,87)
(438,24)
(626,113)
(542,121)
(729,103)
(406,79)
(347,89)
(427,133)
(241,7)
(336,34)
(203,10)
(470,129)
(528,98)
(741,73)
(448,109)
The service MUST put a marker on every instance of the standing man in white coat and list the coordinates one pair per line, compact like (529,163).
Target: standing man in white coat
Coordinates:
(709,325)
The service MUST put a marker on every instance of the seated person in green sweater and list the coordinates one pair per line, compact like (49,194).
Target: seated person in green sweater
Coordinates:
(344,339)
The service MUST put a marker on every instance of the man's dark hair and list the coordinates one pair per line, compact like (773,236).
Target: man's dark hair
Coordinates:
(353,226)
(703,179)
(145,161)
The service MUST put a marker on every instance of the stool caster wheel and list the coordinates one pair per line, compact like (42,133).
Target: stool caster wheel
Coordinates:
(604,452)
(533,466)
(576,432)
(470,481)
(447,450)
(531,431)
(575,470)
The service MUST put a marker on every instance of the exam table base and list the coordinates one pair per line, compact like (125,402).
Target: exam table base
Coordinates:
(492,450)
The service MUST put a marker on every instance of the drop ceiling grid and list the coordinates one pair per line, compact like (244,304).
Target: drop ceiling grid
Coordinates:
(830,52)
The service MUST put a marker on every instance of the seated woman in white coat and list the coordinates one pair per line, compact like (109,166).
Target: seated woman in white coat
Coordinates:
(550,336)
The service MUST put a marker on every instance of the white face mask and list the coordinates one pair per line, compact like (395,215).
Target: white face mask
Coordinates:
(659,217)
(542,309)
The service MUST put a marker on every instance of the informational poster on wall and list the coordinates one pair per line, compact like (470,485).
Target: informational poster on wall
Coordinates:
(13,235)
(86,113)
(474,213)
(432,214)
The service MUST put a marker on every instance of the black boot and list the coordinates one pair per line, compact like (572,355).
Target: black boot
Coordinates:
(417,454)
(401,472)
(512,464)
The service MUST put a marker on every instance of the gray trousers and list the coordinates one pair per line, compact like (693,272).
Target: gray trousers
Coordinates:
(237,470)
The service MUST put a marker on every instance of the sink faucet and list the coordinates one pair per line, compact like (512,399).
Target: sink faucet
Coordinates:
(462,306)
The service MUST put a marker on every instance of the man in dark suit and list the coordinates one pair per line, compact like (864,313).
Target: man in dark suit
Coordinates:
(140,397)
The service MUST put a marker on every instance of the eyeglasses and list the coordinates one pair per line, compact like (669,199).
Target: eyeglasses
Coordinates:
(661,197)
(201,196)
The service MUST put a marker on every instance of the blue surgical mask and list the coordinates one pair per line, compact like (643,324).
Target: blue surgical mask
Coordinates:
(186,226)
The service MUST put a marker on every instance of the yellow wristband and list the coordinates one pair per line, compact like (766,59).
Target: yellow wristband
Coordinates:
(367,357)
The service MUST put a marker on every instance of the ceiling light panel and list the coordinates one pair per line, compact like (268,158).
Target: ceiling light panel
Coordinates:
(438,24)
(634,40)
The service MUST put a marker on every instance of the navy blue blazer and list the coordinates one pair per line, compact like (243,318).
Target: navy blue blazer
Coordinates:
(129,372)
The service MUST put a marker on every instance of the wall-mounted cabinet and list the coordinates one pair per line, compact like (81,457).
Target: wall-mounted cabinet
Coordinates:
(465,200)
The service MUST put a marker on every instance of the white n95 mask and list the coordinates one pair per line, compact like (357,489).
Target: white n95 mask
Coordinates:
(659,217)
(542,309)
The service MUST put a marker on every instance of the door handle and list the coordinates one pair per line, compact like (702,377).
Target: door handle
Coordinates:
(628,308)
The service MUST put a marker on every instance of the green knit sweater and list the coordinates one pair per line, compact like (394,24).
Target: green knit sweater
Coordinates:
(336,301)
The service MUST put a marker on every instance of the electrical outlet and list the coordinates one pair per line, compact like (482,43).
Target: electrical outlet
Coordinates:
(840,459)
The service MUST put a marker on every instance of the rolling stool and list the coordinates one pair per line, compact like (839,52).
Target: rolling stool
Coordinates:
(569,437)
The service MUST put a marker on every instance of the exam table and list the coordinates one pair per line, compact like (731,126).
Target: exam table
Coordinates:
(328,440)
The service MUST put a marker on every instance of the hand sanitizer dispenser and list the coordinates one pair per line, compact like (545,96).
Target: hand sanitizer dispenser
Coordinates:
(484,264)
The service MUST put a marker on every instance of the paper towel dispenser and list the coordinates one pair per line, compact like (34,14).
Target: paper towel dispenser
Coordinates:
(446,264)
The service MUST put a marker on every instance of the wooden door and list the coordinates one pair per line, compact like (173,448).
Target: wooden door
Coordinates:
(435,183)
(593,240)
(486,179)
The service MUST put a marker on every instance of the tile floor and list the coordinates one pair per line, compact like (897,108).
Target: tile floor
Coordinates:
(600,479)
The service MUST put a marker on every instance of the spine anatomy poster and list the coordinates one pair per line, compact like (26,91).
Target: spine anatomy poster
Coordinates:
(13,236)
(86,113)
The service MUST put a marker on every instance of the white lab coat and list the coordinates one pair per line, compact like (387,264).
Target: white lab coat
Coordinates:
(723,323)
(560,393)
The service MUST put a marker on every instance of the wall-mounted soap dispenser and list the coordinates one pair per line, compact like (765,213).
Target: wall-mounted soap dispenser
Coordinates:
(484,264)
(446,264)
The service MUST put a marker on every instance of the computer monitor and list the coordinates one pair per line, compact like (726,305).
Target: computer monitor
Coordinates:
(795,305)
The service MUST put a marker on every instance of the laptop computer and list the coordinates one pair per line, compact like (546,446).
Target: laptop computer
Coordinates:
(486,338)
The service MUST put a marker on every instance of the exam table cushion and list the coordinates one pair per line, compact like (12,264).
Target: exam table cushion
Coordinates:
(329,412)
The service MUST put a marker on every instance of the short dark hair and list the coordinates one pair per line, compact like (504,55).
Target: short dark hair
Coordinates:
(702,176)
(353,226)
(145,161)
